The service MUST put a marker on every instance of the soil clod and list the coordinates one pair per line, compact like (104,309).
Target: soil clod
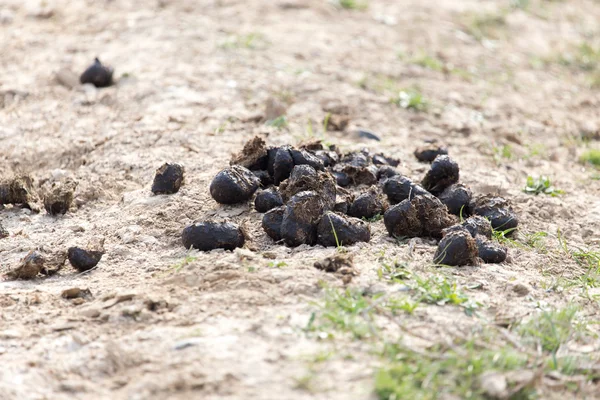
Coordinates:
(443,172)
(456,248)
(168,179)
(339,230)
(206,236)
(340,264)
(233,185)
(19,190)
(253,156)
(59,197)
(3,232)
(98,75)
(267,199)
(31,265)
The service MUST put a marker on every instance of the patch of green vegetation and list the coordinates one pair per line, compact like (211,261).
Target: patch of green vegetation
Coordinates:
(536,240)
(485,26)
(353,4)
(438,290)
(183,263)
(535,150)
(406,305)
(504,151)
(252,41)
(279,122)
(348,311)
(375,218)
(427,61)
(592,157)
(277,264)
(586,57)
(440,373)
(541,185)
(410,99)
(550,329)
(393,271)
(520,4)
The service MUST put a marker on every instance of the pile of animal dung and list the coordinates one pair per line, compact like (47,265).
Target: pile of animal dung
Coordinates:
(315,195)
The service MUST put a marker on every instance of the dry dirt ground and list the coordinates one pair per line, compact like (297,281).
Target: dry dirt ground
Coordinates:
(510,86)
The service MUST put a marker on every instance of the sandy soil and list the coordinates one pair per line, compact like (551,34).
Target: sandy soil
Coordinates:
(193,78)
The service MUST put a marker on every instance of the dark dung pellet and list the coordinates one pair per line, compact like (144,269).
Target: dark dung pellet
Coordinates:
(477,225)
(489,251)
(342,178)
(456,249)
(233,185)
(168,179)
(457,198)
(264,177)
(97,74)
(363,133)
(347,230)
(429,152)
(302,213)
(367,205)
(398,188)
(443,172)
(306,178)
(424,215)
(497,210)
(381,159)
(327,157)
(304,157)
(82,259)
(271,222)
(206,236)
(386,171)
(280,164)
(267,199)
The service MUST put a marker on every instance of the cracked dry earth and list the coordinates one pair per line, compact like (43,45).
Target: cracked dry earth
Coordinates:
(192,81)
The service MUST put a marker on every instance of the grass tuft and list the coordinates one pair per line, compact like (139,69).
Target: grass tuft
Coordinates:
(541,185)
